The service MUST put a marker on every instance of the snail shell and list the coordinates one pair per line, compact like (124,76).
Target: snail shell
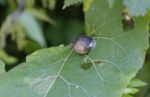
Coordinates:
(84,44)
(127,21)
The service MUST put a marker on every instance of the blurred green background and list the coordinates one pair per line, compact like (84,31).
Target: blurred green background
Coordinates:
(29,25)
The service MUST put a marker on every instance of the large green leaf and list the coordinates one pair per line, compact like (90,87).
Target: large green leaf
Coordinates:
(57,72)
(138,7)
(124,49)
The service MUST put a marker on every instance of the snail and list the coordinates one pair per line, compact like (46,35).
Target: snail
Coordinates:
(84,44)
(127,21)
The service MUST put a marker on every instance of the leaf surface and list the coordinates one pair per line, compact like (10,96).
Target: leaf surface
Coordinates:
(123,50)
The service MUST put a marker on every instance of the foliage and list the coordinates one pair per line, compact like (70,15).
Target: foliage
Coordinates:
(28,22)
(111,66)
(136,7)
(68,3)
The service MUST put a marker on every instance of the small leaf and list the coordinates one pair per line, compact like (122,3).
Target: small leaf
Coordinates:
(52,4)
(7,58)
(49,4)
(137,83)
(130,90)
(32,27)
(41,14)
(19,36)
(68,3)
(137,7)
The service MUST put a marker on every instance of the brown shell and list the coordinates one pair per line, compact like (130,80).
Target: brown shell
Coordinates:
(80,47)
(83,45)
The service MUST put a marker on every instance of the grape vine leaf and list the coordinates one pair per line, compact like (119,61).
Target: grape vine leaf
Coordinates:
(68,3)
(57,72)
(137,7)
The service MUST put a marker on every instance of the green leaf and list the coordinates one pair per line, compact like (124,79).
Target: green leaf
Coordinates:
(41,14)
(52,4)
(137,83)
(7,58)
(4,31)
(131,90)
(105,24)
(68,3)
(19,36)
(49,4)
(32,27)
(2,68)
(137,7)
(57,72)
